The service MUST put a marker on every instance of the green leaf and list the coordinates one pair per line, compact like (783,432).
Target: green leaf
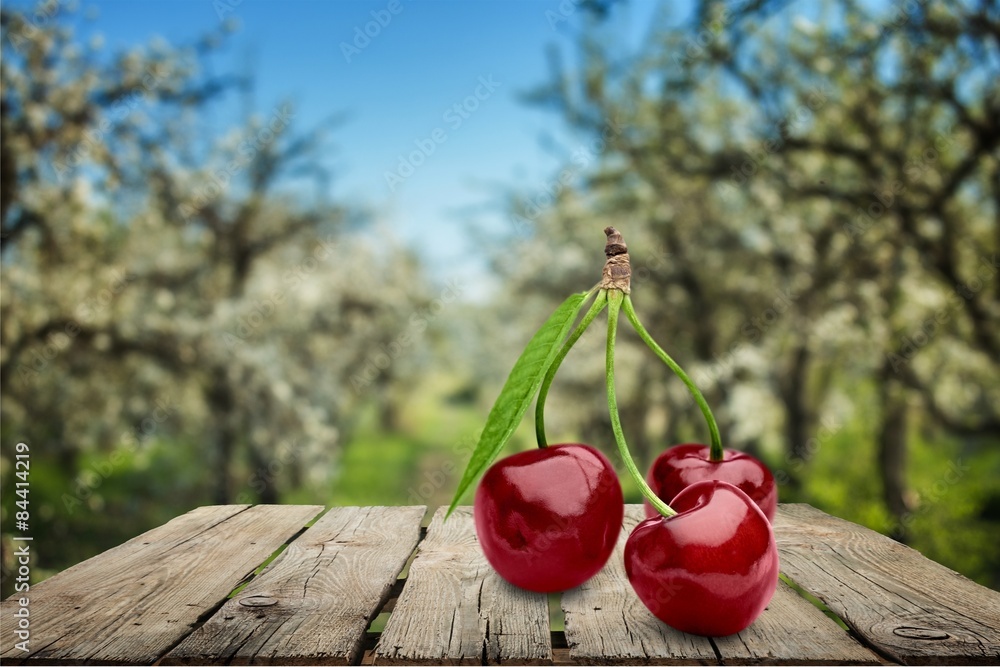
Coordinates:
(521,386)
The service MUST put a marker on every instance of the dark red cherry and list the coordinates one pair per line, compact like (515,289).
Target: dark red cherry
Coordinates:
(683,465)
(709,570)
(548,519)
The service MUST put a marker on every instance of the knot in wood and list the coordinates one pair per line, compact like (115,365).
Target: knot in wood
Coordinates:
(258,601)
(926,634)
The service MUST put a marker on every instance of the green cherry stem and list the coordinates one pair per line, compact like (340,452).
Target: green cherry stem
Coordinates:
(716,453)
(599,304)
(614,306)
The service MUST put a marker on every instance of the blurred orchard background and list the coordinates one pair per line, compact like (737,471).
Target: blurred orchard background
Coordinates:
(287,252)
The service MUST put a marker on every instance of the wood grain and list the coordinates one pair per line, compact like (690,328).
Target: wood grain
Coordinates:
(606,622)
(792,631)
(907,607)
(130,604)
(455,609)
(312,604)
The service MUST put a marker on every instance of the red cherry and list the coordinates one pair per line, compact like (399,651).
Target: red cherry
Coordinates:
(548,519)
(683,465)
(710,569)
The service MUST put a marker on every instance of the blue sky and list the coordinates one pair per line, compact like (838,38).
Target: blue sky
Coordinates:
(396,90)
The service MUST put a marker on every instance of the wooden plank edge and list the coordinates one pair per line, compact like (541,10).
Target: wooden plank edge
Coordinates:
(885,653)
(886,657)
(247,578)
(559,647)
(368,640)
(882,653)
(236,509)
(818,602)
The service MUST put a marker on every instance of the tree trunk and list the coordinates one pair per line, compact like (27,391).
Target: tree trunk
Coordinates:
(892,456)
(264,476)
(220,399)
(224,456)
(633,418)
(798,416)
(723,415)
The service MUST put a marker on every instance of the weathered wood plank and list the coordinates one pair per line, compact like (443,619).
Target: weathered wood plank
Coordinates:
(909,608)
(607,623)
(313,603)
(793,631)
(130,604)
(455,609)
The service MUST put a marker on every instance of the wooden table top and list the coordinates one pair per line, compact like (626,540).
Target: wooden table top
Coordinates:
(197,591)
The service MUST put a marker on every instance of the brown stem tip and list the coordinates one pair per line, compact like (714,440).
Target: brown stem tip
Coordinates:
(617,269)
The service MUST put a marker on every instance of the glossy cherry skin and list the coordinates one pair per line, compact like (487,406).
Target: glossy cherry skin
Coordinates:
(709,570)
(683,465)
(548,519)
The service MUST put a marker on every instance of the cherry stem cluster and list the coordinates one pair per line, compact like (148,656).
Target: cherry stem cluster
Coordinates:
(613,295)
(716,453)
(599,304)
(614,306)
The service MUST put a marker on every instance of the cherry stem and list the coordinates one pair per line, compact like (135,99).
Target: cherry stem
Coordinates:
(614,306)
(599,304)
(716,453)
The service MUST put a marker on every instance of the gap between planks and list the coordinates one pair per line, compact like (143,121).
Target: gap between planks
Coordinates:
(386,606)
(835,644)
(145,593)
(312,605)
(242,584)
(903,605)
(557,640)
(560,650)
